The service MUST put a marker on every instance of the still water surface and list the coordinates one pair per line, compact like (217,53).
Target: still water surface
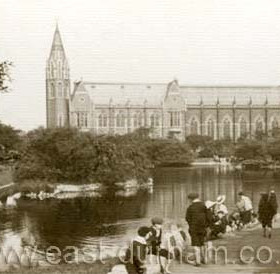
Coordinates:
(112,219)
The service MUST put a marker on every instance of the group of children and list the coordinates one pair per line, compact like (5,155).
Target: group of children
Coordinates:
(155,246)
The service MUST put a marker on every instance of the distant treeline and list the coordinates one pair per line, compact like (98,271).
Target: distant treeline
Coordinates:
(69,155)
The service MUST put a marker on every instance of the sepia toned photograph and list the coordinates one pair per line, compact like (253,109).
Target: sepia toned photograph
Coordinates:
(139,137)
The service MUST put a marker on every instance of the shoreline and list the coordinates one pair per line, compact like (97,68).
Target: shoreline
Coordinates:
(250,237)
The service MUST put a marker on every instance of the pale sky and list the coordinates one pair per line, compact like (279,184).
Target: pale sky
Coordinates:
(200,42)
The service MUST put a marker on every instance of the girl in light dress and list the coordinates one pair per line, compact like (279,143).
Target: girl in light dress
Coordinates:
(172,246)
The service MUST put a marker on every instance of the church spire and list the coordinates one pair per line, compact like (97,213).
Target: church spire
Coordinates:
(57,50)
(58,84)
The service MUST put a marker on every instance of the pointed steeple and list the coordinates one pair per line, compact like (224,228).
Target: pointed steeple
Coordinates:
(58,84)
(57,50)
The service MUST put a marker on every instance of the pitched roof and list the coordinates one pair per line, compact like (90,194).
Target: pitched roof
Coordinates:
(121,93)
(229,95)
(154,93)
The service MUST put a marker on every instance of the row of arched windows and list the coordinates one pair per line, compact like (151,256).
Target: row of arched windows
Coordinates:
(137,120)
(226,126)
(58,70)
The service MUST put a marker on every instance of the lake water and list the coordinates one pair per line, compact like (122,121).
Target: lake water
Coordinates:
(113,218)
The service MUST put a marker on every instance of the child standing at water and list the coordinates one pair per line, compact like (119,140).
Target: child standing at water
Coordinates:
(137,252)
(267,210)
(156,235)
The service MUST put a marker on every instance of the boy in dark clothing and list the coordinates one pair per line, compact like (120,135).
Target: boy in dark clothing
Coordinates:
(197,218)
(156,235)
(137,253)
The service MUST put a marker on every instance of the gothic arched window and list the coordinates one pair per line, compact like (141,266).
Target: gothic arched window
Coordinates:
(211,128)
(65,90)
(274,124)
(226,128)
(259,125)
(59,90)
(194,127)
(52,70)
(82,119)
(157,120)
(120,120)
(135,120)
(102,120)
(52,90)
(139,120)
(59,69)
(243,127)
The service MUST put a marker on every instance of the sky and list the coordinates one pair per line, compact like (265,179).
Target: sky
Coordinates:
(198,42)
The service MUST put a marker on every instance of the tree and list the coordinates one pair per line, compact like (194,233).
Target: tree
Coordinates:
(5,77)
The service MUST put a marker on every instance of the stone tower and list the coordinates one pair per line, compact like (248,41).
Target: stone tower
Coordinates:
(57,85)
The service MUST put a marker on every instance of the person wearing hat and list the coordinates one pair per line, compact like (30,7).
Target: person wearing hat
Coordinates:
(137,253)
(197,218)
(220,206)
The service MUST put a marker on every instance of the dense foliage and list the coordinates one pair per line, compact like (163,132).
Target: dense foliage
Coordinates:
(68,155)
(207,147)
(5,77)
(10,142)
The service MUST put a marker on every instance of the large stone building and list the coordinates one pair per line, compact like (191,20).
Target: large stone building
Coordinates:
(170,109)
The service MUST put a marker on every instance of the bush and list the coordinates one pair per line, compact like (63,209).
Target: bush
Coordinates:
(68,155)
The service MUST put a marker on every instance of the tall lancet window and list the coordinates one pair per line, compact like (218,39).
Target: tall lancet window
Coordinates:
(211,128)
(274,124)
(157,120)
(52,90)
(82,119)
(135,120)
(226,128)
(194,127)
(120,119)
(59,90)
(102,120)
(65,90)
(140,119)
(152,120)
(59,69)
(243,127)
(52,70)
(259,126)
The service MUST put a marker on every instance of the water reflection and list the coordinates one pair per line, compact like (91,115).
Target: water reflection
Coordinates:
(114,217)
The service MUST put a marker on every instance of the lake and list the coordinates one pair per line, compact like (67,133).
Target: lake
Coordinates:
(114,217)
